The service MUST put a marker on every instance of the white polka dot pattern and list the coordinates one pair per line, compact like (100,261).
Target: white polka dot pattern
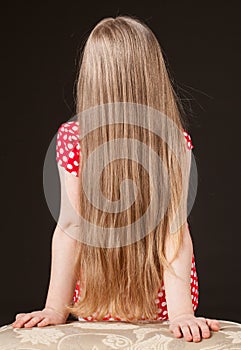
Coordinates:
(67,155)
(162,312)
(68,147)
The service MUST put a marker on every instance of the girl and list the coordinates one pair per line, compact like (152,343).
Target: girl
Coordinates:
(152,278)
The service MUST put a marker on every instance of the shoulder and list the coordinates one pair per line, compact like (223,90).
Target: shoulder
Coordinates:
(188,140)
(68,147)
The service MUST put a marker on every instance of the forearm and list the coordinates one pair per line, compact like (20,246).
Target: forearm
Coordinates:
(177,289)
(62,278)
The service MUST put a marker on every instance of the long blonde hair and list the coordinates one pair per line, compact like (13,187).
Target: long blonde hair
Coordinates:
(122,62)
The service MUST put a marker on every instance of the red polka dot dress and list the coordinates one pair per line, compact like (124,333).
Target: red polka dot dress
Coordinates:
(67,156)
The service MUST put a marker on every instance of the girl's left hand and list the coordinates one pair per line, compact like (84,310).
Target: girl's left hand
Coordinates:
(192,328)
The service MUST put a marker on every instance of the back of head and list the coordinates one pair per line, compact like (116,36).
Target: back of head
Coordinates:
(122,61)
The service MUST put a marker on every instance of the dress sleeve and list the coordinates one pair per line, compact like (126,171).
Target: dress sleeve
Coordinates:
(188,140)
(68,147)
(67,152)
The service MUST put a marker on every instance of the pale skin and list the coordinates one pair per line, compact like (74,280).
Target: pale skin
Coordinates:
(183,322)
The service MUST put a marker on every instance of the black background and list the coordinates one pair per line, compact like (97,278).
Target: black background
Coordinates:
(40,50)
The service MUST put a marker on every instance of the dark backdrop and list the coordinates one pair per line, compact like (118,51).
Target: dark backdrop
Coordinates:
(40,46)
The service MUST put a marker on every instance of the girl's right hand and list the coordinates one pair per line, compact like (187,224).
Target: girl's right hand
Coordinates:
(42,318)
(193,328)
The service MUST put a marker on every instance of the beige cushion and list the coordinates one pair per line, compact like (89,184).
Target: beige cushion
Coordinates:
(77,335)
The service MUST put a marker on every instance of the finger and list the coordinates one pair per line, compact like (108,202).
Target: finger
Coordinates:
(204,329)
(195,332)
(21,321)
(17,318)
(33,321)
(175,329)
(44,322)
(201,319)
(186,332)
(213,324)
(20,315)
